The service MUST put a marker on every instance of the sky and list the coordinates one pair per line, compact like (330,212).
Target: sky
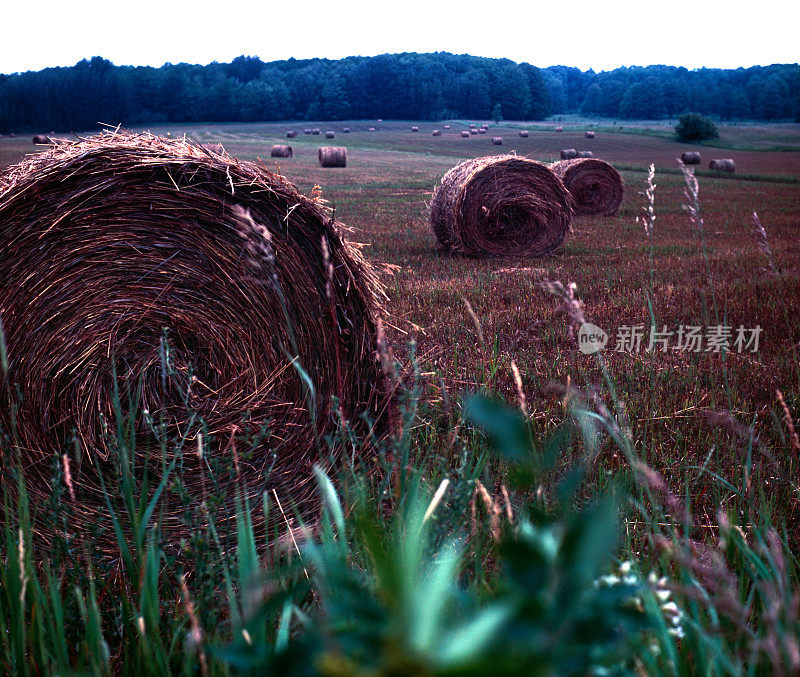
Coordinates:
(598,35)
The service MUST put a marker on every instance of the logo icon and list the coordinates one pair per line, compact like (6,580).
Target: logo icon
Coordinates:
(591,339)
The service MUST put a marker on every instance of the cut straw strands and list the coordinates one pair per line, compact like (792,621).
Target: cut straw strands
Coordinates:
(332,156)
(595,185)
(523,134)
(197,285)
(500,206)
(279,150)
(691,157)
(569,154)
(497,140)
(722,165)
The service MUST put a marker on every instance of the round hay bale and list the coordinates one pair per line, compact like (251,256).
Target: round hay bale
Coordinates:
(524,134)
(691,157)
(482,131)
(190,284)
(330,135)
(589,135)
(291,134)
(345,130)
(472,125)
(500,206)
(41,139)
(333,156)
(585,153)
(372,129)
(569,153)
(447,127)
(497,140)
(307,131)
(473,131)
(415,129)
(595,185)
(436,132)
(279,150)
(723,165)
(315,132)
(465,134)
(559,129)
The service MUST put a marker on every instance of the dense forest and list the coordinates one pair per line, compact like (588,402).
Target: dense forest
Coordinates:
(393,86)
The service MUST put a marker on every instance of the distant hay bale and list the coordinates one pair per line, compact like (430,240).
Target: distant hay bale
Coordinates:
(291,134)
(333,156)
(41,139)
(481,130)
(500,206)
(279,150)
(691,157)
(121,249)
(465,134)
(415,129)
(523,134)
(585,154)
(307,131)
(315,131)
(595,185)
(371,129)
(723,165)
(436,132)
(472,125)
(447,127)
(345,130)
(473,131)
(497,140)
(569,153)
(559,129)
(589,135)
(330,135)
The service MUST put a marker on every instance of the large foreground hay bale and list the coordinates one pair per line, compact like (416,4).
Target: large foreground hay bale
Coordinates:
(595,185)
(332,156)
(201,282)
(279,150)
(497,140)
(691,157)
(503,206)
(723,165)
(569,153)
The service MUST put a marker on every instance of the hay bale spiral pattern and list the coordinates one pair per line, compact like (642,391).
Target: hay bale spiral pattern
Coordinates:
(199,280)
(501,205)
(595,185)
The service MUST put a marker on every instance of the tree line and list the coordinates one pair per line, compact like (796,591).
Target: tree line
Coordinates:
(392,86)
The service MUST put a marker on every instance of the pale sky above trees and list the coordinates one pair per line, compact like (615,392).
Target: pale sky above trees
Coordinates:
(578,33)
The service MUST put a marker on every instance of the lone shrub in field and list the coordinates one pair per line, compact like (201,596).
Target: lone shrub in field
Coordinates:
(695,127)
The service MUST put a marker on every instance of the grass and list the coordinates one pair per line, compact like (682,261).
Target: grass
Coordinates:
(685,461)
